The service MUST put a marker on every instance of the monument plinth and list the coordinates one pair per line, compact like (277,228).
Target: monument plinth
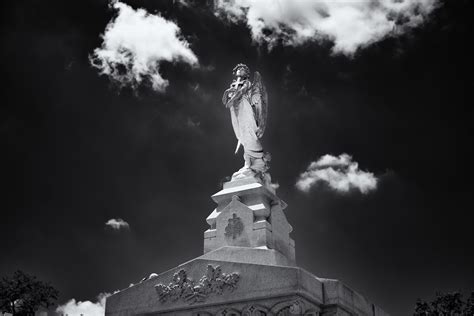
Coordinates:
(248,225)
(248,266)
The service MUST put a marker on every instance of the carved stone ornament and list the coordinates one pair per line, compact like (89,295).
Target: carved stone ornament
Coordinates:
(234,228)
(289,308)
(183,288)
(255,310)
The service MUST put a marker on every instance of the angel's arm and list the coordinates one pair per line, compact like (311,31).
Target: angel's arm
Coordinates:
(225,96)
(238,94)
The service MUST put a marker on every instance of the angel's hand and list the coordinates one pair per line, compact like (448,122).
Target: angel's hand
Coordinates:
(227,96)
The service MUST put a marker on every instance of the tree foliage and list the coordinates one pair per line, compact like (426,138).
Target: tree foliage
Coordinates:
(23,294)
(450,304)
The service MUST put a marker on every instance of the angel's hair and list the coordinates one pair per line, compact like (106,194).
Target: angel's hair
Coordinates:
(241,66)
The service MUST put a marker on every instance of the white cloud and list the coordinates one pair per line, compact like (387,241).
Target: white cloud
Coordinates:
(134,45)
(349,24)
(73,308)
(117,223)
(192,123)
(340,173)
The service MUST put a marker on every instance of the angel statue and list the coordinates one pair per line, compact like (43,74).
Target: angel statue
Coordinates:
(247,102)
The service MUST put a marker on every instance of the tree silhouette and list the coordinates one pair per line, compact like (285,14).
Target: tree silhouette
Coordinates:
(450,304)
(23,294)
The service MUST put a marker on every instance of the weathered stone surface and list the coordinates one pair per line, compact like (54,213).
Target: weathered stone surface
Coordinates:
(214,282)
(338,294)
(263,256)
(274,290)
(256,211)
(256,283)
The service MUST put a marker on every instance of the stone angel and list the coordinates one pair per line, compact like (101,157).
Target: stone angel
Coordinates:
(248,105)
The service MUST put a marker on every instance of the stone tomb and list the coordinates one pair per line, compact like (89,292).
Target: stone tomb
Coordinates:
(248,268)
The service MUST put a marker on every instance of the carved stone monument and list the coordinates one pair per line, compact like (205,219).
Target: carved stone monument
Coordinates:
(248,266)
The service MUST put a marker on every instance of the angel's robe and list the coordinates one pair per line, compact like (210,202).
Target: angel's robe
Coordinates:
(244,121)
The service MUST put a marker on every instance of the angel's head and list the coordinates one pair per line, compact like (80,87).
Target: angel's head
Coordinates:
(241,70)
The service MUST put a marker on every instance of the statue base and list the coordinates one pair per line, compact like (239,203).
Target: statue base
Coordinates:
(238,288)
(248,268)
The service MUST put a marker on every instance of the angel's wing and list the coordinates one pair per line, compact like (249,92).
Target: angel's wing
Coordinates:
(259,101)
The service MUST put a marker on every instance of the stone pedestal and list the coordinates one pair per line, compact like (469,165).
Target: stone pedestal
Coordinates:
(248,268)
(250,215)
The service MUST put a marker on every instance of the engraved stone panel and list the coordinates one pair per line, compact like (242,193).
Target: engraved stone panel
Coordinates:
(234,225)
(234,228)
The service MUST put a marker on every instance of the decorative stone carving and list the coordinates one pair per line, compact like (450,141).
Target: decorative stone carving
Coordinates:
(235,227)
(214,282)
(288,308)
(228,312)
(296,308)
(255,310)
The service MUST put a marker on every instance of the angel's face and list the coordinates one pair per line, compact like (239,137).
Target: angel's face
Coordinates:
(241,72)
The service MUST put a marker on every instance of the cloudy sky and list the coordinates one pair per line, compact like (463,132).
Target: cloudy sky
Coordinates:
(113,138)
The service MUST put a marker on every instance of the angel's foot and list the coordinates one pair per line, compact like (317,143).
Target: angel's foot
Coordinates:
(243,172)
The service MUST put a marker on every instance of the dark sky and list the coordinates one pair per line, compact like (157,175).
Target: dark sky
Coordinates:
(77,151)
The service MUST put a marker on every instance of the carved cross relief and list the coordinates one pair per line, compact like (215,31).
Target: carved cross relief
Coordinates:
(235,227)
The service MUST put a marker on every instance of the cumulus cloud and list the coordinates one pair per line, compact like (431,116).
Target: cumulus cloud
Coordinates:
(349,24)
(77,308)
(340,173)
(134,45)
(117,223)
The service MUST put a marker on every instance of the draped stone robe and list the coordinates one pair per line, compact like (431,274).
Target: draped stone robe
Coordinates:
(244,121)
